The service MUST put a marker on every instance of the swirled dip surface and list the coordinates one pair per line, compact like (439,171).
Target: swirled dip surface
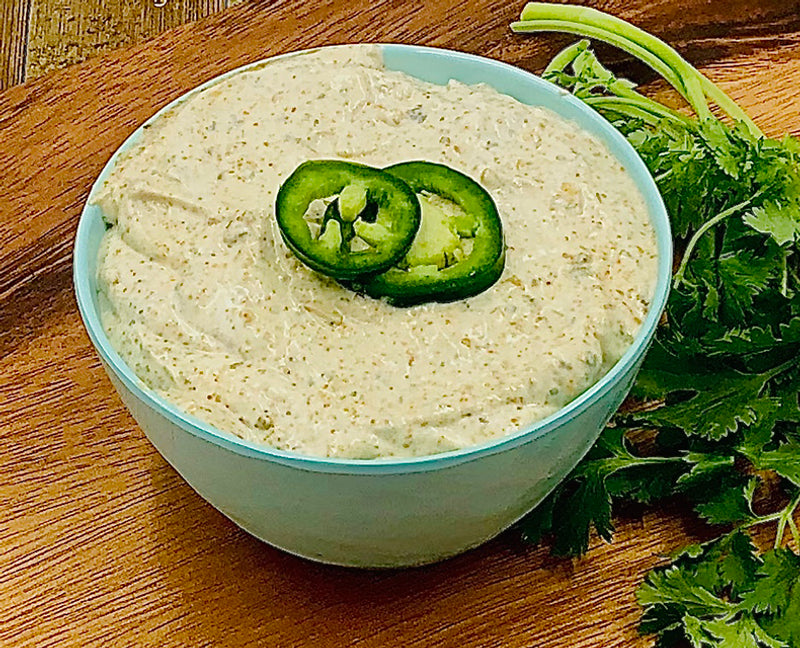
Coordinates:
(203,300)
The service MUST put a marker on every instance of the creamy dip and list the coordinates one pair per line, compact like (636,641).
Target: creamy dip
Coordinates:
(209,308)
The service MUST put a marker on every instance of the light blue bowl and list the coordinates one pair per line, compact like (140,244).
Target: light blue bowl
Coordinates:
(386,512)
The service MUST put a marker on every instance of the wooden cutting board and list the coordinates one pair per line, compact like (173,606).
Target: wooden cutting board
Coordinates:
(101,543)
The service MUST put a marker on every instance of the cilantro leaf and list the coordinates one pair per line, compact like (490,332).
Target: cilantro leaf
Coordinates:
(726,564)
(785,461)
(718,139)
(749,341)
(722,595)
(717,404)
(742,276)
(584,500)
(779,220)
(588,505)
(737,563)
(786,625)
(705,466)
(740,632)
(779,576)
(663,372)
(729,505)
(678,586)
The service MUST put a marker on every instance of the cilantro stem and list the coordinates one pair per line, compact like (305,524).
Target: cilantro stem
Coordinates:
(786,517)
(626,101)
(731,108)
(777,371)
(795,532)
(764,519)
(783,517)
(665,174)
(651,50)
(565,57)
(603,34)
(784,273)
(596,24)
(791,271)
(650,112)
(678,278)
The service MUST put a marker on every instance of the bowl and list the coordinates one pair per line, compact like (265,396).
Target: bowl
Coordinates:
(386,512)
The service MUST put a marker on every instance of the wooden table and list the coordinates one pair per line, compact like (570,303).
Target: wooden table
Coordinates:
(101,543)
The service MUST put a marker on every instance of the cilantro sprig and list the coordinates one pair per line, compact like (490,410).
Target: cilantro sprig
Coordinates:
(724,593)
(714,417)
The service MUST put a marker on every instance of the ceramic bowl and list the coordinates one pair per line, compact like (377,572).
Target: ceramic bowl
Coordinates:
(398,512)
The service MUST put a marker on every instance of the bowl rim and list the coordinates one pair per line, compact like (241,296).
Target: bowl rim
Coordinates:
(592,121)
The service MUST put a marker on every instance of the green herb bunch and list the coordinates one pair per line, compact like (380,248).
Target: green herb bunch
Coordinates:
(714,416)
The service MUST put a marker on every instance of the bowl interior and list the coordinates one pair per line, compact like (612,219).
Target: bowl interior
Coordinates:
(436,66)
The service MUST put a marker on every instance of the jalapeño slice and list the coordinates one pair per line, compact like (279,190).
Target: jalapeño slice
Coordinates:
(459,249)
(346,220)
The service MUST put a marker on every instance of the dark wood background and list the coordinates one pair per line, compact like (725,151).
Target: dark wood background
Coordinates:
(101,543)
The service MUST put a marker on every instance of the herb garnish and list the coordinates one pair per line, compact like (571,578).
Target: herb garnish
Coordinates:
(718,392)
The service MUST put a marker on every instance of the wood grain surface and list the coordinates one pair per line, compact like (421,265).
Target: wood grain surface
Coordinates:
(70,31)
(101,543)
(14,24)
(39,36)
